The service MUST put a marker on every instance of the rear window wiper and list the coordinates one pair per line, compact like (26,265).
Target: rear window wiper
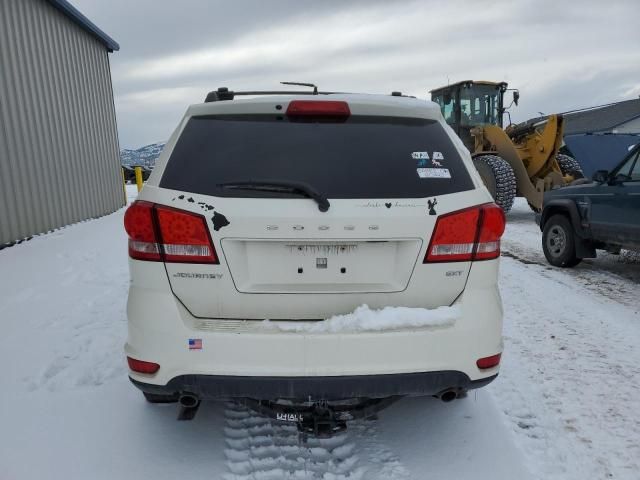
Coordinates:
(280,186)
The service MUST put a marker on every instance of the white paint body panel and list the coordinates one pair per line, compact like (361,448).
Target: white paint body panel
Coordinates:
(258,279)
(160,327)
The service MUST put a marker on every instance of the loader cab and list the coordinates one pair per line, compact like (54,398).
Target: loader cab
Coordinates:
(469,104)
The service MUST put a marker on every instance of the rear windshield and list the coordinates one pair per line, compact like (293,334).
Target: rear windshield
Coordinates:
(361,157)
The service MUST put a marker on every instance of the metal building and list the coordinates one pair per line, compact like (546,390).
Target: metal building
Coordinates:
(59,153)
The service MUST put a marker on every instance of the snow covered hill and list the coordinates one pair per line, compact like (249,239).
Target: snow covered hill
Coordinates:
(144,156)
(564,407)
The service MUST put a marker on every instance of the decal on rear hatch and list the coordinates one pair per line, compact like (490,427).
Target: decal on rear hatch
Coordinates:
(433,172)
(395,204)
(420,155)
(203,205)
(432,206)
(219,221)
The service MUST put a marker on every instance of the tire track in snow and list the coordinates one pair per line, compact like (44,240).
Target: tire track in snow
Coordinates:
(259,447)
(593,274)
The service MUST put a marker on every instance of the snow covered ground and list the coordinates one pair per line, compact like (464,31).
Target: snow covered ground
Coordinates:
(565,405)
(571,372)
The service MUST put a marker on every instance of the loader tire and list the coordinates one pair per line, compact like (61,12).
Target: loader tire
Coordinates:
(569,166)
(497,175)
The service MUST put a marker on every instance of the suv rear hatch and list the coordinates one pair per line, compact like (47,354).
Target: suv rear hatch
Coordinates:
(386,178)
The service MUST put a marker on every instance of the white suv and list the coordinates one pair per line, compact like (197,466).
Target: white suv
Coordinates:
(265,217)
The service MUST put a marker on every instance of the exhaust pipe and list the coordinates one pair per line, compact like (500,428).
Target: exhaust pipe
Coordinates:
(448,396)
(189,404)
(188,400)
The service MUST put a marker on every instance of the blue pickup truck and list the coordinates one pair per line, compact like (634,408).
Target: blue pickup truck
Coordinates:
(587,215)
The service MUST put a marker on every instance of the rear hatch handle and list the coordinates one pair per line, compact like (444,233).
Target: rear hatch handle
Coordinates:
(284,186)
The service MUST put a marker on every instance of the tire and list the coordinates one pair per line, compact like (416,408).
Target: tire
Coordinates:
(569,166)
(497,175)
(558,242)
(158,398)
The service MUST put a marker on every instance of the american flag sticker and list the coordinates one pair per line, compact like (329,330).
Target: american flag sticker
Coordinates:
(195,344)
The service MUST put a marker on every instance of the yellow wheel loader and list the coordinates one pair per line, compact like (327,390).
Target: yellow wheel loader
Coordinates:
(521,160)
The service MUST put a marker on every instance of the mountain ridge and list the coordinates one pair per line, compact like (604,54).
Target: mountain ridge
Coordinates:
(144,156)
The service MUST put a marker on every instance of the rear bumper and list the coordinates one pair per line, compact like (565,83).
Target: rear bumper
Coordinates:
(232,351)
(315,388)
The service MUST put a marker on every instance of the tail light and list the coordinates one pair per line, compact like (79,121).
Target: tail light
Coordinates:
(467,235)
(185,237)
(141,366)
(139,224)
(489,362)
(318,108)
(164,234)
(491,229)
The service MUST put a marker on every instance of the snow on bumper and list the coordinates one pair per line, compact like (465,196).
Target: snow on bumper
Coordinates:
(160,330)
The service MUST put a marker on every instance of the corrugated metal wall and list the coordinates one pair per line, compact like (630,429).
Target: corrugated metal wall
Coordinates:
(59,154)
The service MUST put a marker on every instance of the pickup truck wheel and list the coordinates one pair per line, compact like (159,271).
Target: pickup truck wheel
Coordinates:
(558,242)
(157,398)
(497,175)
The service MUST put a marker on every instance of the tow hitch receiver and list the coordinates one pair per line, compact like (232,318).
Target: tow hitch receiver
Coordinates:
(319,418)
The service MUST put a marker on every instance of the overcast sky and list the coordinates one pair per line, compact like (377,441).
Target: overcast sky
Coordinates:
(560,54)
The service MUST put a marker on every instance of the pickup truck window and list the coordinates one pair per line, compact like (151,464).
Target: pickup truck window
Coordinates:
(635,169)
(631,167)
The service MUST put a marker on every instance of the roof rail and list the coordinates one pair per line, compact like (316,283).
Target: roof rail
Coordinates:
(223,93)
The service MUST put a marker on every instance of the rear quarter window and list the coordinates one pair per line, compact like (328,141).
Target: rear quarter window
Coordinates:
(362,157)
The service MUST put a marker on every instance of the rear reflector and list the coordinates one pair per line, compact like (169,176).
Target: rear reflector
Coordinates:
(318,108)
(159,233)
(467,235)
(489,362)
(141,366)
